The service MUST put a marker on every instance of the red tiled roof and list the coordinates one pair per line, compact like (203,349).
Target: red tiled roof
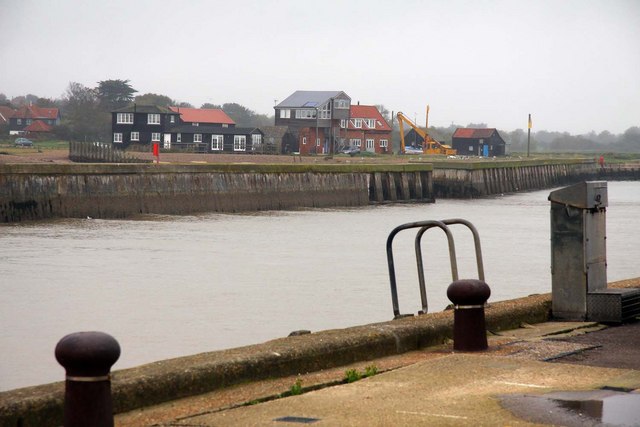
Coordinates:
(33,112)
(203,115)
(5,113)
(368,112)
(473,133)
(38,126)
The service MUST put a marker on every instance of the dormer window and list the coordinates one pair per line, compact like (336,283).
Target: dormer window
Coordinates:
(357,123)
(195,124)
(153,119)
(371,123)
(341,103)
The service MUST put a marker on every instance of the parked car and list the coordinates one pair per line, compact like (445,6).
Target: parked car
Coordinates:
(23,142)
(352,151)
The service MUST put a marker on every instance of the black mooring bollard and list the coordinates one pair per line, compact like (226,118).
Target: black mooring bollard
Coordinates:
(468,297)
(87,358)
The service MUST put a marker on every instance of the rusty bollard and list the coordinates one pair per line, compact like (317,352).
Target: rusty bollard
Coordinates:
(468,297)
(87,358)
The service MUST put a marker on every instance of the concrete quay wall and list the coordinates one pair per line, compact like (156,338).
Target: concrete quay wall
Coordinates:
(172,379)
(31,192)
(470,180)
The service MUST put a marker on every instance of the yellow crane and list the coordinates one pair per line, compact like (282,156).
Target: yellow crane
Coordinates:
(430,145)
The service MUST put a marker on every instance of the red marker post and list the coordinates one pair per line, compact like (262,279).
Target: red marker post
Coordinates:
(156,151)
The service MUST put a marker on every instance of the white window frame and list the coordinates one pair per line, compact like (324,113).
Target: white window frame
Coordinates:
(124,118)
(217,142)
(343,123)
(117,137)
(371,123)
(197,138)
(341,104)
(195,124)
(317,142)
(19,121)
(370,143)
(256,139)
(355,142)
(357,123)
(285,114)
(179,137)
(384,143)
(153,119)
(304,140)
(28,122)
(306,113)
(135,136)
(324,112)
(172,119)
(239,143)
(155,137)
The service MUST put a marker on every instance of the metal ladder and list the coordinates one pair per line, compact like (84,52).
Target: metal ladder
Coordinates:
(423,227)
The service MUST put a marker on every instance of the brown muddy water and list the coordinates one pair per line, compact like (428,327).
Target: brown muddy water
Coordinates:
(167,286)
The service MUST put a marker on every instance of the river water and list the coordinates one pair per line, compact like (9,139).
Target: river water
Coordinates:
(167,286)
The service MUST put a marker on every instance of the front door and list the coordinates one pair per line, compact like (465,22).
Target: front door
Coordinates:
(485,150)
(167,141)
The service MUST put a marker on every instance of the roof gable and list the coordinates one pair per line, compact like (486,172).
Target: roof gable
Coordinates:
(5,113)
(34,112)
(38,126)
(310,98)
(203,115)
(368,112)
(473,133)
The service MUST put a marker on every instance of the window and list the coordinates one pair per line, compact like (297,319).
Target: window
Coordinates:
(224,125)
(117,138)
(369,143)
(135,136)
(384,143)
(305,114)
(153,119)
(343,123)
(341,103)
(256,139)
(239,143)
(304,140)
(124,118)
(179,137)
(217,142)
(357,123)
(195,124)
(19,121)
(285,114)
(371,123)
(28,122)
(317,142)
(471,148)
(197,137)
(325,111)
(355,142)
(155,137)
(172,119)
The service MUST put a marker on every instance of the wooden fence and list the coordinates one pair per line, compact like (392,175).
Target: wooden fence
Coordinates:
(100,152)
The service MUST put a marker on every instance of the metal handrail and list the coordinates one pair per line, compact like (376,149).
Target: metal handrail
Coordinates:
(424,226)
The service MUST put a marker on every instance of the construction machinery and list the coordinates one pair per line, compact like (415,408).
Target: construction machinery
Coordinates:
(430,145)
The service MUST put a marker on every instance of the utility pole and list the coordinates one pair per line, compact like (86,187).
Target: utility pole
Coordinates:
(528,134)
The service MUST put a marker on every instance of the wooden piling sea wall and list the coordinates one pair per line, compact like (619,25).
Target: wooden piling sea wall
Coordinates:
(29,192)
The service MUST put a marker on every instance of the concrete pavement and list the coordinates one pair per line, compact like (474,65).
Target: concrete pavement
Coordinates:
(435,386)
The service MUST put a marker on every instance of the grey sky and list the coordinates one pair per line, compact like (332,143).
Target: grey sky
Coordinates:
(573,64)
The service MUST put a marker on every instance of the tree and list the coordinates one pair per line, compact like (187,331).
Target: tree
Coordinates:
(185,105)
(83,119)
(210,106)
(386,114)
(154,99)
(114,94)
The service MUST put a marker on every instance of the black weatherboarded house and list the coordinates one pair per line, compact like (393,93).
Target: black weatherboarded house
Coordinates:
(478,142)
(215,139)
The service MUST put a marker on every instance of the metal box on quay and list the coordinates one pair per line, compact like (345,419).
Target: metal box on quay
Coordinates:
(579,258)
